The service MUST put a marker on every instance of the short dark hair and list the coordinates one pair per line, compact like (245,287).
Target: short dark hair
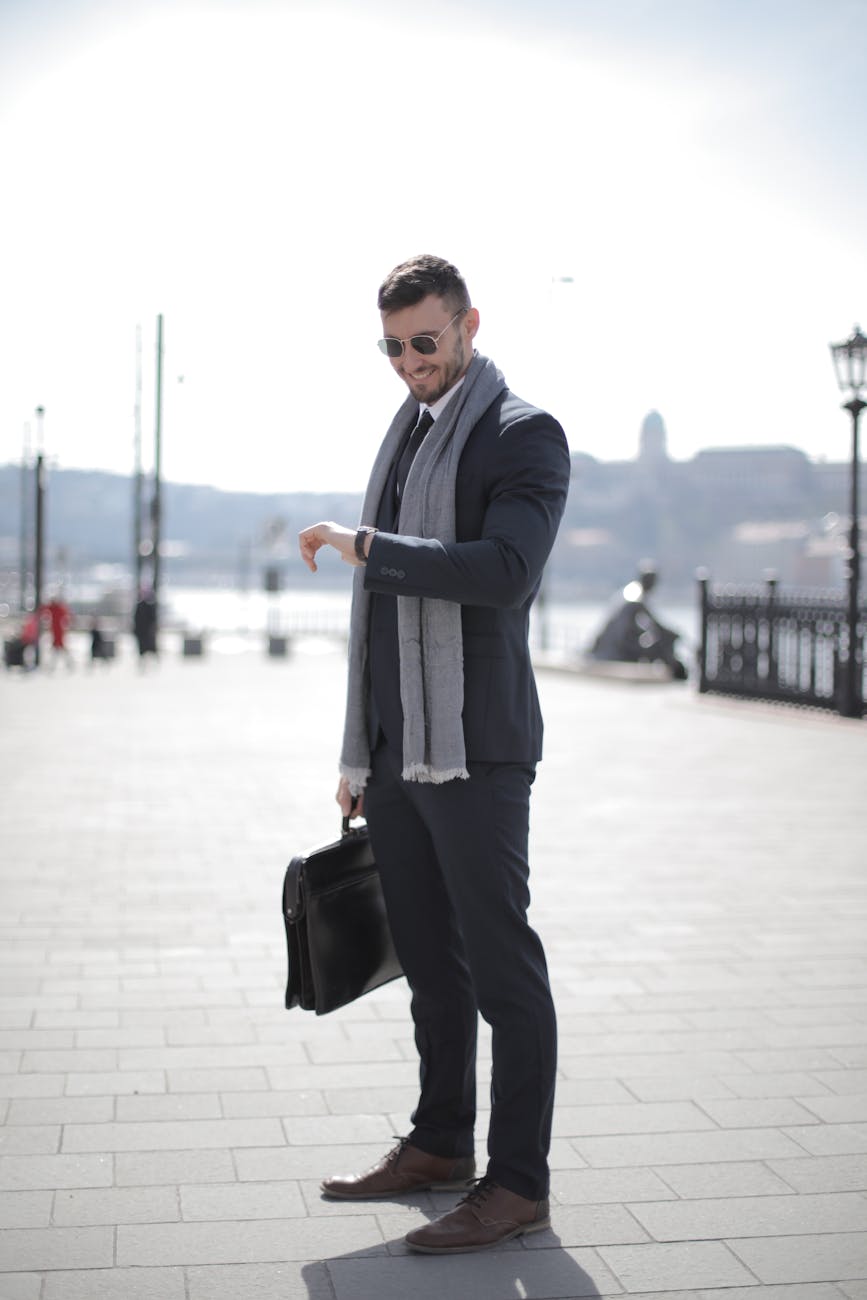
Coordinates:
(408,283)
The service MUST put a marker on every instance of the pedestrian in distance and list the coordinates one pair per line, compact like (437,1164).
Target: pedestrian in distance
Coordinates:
(101,649)
(442,735)
(59,618)
(144,625)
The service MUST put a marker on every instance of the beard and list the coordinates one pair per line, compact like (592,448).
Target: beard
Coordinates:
(444,375)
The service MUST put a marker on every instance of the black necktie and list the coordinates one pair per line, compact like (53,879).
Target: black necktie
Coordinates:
(408,454)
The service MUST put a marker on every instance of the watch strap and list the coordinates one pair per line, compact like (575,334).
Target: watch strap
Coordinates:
(359,542)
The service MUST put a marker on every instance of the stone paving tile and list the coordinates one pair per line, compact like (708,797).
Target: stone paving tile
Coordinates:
(117,1284)
(21,1286)
(830,1140)
(25,1209)
(164,1018)
(248,1105)
(843,1082)
(243,1201)
(665,1064)
(172,1106)
(360,1074)
(813,1258)
(30,1140)
(589,1225)
(64,1062)
(824,1173)
(253,1242)
(116,1205)
(173,1135)
(338,1129)
(686,1148)
(32,1039)
(210,1058)
(221,1080)
(594,1092)
(24,1249)
(61,1110)
(554,1274)
(766,1112)
(848,1109)
(693,1182)
(597,1186)
(292,1163)
(115,1083)
(678,1088)
(776,1085)
(150,1169)
(751,1216)
(31,1085)
(645,1117)
(288,1281)
(34,1172)
(665,1267)
(794,1291)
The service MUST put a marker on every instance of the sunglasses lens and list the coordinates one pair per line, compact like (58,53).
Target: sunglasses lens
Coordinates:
(391,347)
(424,344)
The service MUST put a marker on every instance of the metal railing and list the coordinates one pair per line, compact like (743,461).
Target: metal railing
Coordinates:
(791,646)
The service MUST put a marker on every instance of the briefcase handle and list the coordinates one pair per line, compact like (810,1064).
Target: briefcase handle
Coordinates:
(345,828)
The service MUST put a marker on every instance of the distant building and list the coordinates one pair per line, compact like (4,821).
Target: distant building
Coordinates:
(739,511)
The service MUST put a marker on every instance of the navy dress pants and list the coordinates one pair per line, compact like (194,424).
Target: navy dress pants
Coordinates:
(453,862)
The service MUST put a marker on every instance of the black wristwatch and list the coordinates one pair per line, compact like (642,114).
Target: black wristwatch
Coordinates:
(359,542)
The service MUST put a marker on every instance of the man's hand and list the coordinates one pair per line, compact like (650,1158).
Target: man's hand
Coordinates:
(345,799)
(328,534)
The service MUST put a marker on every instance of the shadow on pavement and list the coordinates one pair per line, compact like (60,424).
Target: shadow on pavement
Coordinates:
(509,1272)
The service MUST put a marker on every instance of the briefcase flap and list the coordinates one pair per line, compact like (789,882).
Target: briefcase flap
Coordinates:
(323,869)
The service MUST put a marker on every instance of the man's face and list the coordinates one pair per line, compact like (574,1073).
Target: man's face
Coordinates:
(429,377)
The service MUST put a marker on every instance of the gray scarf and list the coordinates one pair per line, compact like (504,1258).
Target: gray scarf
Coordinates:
(429,631)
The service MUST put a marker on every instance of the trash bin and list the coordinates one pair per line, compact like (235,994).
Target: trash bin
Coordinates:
(13,652)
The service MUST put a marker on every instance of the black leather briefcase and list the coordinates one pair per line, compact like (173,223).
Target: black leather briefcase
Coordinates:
(337,936)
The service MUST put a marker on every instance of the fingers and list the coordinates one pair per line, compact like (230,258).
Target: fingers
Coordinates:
(309,542)
(343,797)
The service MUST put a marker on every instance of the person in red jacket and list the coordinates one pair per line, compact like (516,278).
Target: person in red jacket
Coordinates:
(59,618)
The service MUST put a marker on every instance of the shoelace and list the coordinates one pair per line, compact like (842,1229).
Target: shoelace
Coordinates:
(395,1154)
(480,1191)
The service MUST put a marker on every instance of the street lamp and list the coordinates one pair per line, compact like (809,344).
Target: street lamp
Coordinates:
(850,362)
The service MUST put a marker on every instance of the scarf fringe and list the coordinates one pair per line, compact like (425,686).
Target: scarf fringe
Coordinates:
(427,775)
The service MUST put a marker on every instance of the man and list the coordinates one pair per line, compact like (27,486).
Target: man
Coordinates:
(442,735)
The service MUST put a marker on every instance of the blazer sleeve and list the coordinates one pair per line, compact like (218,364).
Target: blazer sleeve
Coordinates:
(522,505)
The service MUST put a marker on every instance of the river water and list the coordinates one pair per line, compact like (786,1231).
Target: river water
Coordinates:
(559,626)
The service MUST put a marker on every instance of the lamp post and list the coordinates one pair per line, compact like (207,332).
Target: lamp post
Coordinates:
(850,362)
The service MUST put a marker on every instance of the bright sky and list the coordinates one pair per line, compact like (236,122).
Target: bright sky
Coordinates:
(253,168)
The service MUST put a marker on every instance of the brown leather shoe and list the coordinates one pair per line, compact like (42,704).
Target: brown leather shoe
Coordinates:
(404,1169)
(486,1216)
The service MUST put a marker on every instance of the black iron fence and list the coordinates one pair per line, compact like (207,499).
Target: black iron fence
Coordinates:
(786,645)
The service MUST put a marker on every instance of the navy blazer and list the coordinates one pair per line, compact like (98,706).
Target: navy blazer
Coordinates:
(512,482)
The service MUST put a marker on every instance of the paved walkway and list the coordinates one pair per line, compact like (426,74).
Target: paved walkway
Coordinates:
(701,886)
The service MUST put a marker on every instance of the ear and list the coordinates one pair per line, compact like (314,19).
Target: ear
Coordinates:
(470,323)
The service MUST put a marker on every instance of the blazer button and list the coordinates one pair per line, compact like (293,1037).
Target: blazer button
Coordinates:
(383,572)
(401,573)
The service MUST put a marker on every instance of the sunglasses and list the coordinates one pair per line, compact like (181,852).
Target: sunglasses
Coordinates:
(424,344)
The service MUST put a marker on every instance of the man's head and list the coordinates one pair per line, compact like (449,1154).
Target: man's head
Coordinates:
(427,298)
